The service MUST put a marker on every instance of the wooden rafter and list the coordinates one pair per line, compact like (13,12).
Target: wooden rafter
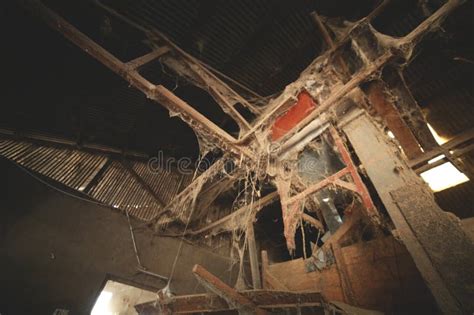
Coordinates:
(185,64)
(157,93)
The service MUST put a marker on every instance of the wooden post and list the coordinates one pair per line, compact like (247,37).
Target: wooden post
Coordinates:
(343,274)
(252,246)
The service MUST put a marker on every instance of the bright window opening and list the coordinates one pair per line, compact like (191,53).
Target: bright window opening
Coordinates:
(443,177)
(101,306)
(119,298)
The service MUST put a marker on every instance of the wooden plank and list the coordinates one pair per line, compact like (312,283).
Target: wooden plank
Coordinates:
(450,157)
(252,248)
(236,218)
(221,93)
(343,274)
(382,276)
(389,113)
(314,222)
(143,60)
(430,24)
(460,139)
(197,303)
(215,285)
(269,281)
(326,281)
(273,282)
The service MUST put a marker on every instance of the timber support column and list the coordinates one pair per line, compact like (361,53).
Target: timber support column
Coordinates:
(252,246)
(441,250)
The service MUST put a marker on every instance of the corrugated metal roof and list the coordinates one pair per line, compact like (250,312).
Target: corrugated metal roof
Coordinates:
(112,183)
(118,188)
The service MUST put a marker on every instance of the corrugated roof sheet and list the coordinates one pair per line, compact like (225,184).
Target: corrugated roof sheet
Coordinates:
(110,183)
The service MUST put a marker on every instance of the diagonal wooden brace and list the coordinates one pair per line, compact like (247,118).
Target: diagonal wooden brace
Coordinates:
(229,294)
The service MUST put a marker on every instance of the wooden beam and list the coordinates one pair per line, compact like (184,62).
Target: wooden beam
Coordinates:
(389,113)
(316,186)
(451,156)
(268,279)
(378,10)
(215,285)
(431,23)
(314,222)
(142,182)
(252,247)
(204,303)
(176,203)
(143,60)
(192,116)
(235,220)
(158,93)
(343,274)
(200,77)
(457,141)
(328,39)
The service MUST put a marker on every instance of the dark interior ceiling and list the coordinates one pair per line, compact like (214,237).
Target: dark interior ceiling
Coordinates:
(54,88)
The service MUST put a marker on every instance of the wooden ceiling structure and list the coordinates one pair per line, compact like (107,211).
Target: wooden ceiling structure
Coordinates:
(352,104)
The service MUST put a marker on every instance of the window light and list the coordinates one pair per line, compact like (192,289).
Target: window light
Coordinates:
(101,306)
(443,176)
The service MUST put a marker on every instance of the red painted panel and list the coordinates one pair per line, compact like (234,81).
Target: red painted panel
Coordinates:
(292,117)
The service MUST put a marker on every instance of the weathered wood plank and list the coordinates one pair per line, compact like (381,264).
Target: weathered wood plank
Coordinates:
(230,295)
(196,303)
(143,60)
(252,247)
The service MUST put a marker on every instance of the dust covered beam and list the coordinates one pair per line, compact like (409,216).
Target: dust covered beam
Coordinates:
(453,144)
(235,220)
(203,303)
(143,60)
(230,295)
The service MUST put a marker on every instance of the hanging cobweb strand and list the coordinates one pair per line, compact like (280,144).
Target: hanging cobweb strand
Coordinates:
(250,191)
(166,292)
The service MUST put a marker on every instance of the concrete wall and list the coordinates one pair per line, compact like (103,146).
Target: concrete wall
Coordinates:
(56,251)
